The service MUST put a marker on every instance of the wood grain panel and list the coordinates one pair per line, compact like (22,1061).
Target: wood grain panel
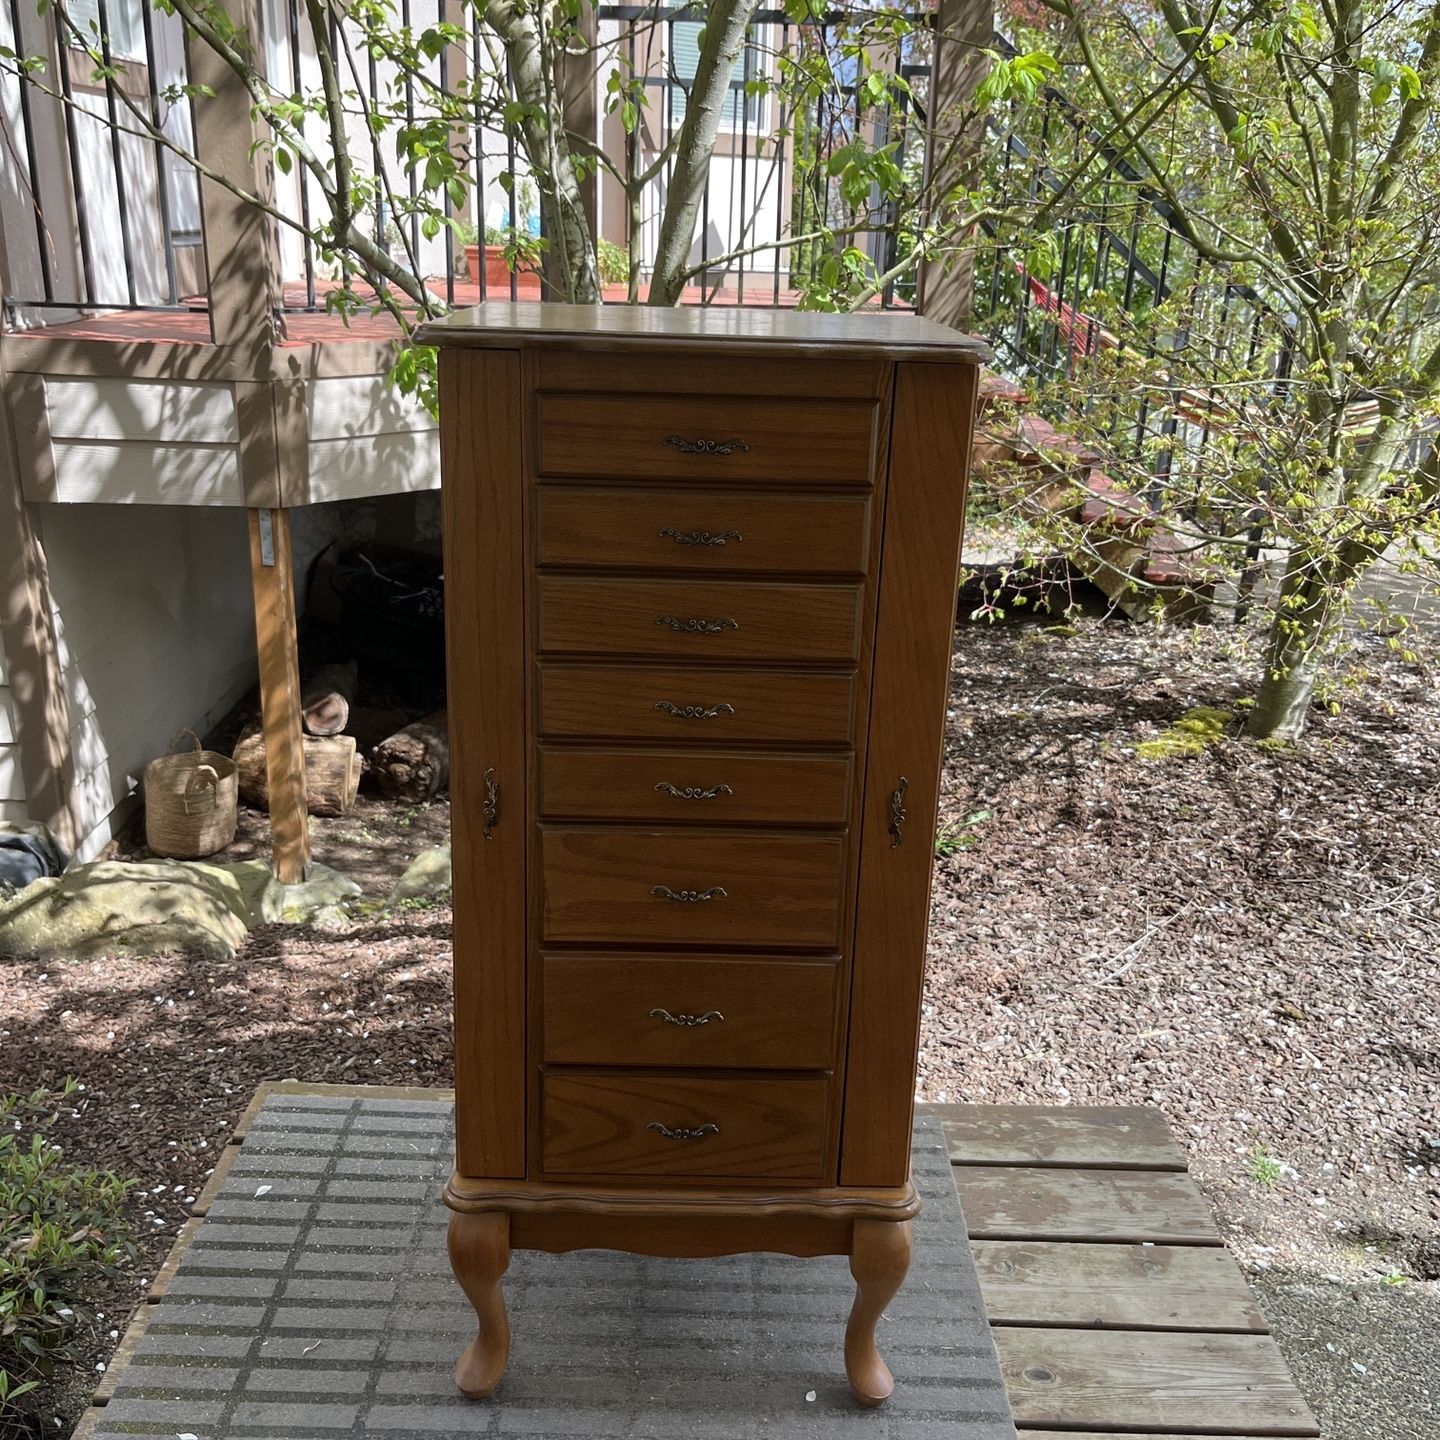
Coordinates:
(762,1014)
(680,704)
(717,786)
(601,885)
(1224,1383)
(934,410)
(780,440)
(1004,1203)
(485,658)
(712,331)
(1129,1287)
(707,531)
(762,1129)
(1119,1137)
(697,619)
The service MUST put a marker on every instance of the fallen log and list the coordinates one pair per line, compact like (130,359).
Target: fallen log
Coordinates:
(325,700)
(413,764)
(332,772)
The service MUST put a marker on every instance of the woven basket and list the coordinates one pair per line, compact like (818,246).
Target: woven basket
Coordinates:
(190,801)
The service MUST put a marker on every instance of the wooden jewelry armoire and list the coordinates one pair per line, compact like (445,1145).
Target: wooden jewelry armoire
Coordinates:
(700,574)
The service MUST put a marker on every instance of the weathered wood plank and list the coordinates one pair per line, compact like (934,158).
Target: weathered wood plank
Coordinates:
(1131,1287)
(1130,1137)
(1226,1383)
(1009,1203)
(1030,1434)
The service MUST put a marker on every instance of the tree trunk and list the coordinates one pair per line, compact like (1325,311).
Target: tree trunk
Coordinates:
(414,763)
(332,772)
(325,701)
(726,22)
(543,135)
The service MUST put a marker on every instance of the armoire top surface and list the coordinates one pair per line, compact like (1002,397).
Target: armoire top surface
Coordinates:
(504,324)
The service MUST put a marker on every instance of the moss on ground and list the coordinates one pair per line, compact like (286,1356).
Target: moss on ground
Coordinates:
(1192,734)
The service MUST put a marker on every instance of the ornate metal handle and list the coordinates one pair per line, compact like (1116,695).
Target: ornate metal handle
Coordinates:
(685,1021)
(699,537)
(698,627)
(897,813)
(490,810)
(692,792)
(706,447)
(680,1133)
(690,897)
(693,712)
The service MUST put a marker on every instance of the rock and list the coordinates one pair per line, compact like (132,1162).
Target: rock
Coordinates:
(426,877)
(112,907)
(155,906)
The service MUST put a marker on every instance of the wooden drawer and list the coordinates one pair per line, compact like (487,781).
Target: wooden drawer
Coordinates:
(693,785)
(703,1011)
(706,437)
(703,530)
(680,704)
(698,619)
(617,1123)
(686,887)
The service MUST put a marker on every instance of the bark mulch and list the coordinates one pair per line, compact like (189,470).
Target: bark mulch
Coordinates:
(1246,938)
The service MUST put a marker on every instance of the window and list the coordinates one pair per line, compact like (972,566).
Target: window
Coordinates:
(126,25)
(685,59)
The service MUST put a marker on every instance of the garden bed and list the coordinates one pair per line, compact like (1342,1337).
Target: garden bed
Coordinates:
(1244,937)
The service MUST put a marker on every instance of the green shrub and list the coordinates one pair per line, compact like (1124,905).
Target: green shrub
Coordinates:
(62,1233)
(614,262)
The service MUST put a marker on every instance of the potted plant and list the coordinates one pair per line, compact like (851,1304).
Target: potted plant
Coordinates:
(506,251)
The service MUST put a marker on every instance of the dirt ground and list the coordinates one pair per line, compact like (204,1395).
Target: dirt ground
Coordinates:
(1246,938)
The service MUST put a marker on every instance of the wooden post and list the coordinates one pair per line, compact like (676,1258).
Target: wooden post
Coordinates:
(272,573)
(962,29)
(246,318)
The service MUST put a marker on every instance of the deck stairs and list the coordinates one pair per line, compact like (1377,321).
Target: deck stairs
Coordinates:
(1130,554)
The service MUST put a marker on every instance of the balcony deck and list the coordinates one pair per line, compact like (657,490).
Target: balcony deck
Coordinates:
(1113,1304)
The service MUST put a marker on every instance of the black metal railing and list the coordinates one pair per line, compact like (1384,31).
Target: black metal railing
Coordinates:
(116,215)
(116,223)
(1119,291)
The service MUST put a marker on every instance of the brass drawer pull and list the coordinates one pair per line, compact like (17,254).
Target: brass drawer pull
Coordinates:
(698,627)
(693,712)
(685,1021)
(699,537)
(692,792)
(690,897)
(706,447)
(490,809)
(680,1133)
(897,813)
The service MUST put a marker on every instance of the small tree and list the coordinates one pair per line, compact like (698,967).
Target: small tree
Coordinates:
(1295,155)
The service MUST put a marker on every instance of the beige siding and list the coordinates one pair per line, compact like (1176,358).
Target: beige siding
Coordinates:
(145,442)
(368,439)
(155,630)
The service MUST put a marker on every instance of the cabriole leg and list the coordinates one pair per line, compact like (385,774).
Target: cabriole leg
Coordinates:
(479,1256)
(879,1260)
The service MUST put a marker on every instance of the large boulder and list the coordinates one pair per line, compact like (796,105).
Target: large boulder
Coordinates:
(155,906)
(112,907)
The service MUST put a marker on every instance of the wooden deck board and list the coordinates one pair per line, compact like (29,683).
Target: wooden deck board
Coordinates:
(1171,1383)
(1121,1287)
(1134,1207)
(1114,1306)
(1123,1138)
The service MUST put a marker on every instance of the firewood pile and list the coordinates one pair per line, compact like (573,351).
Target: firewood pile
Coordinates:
(385,610)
